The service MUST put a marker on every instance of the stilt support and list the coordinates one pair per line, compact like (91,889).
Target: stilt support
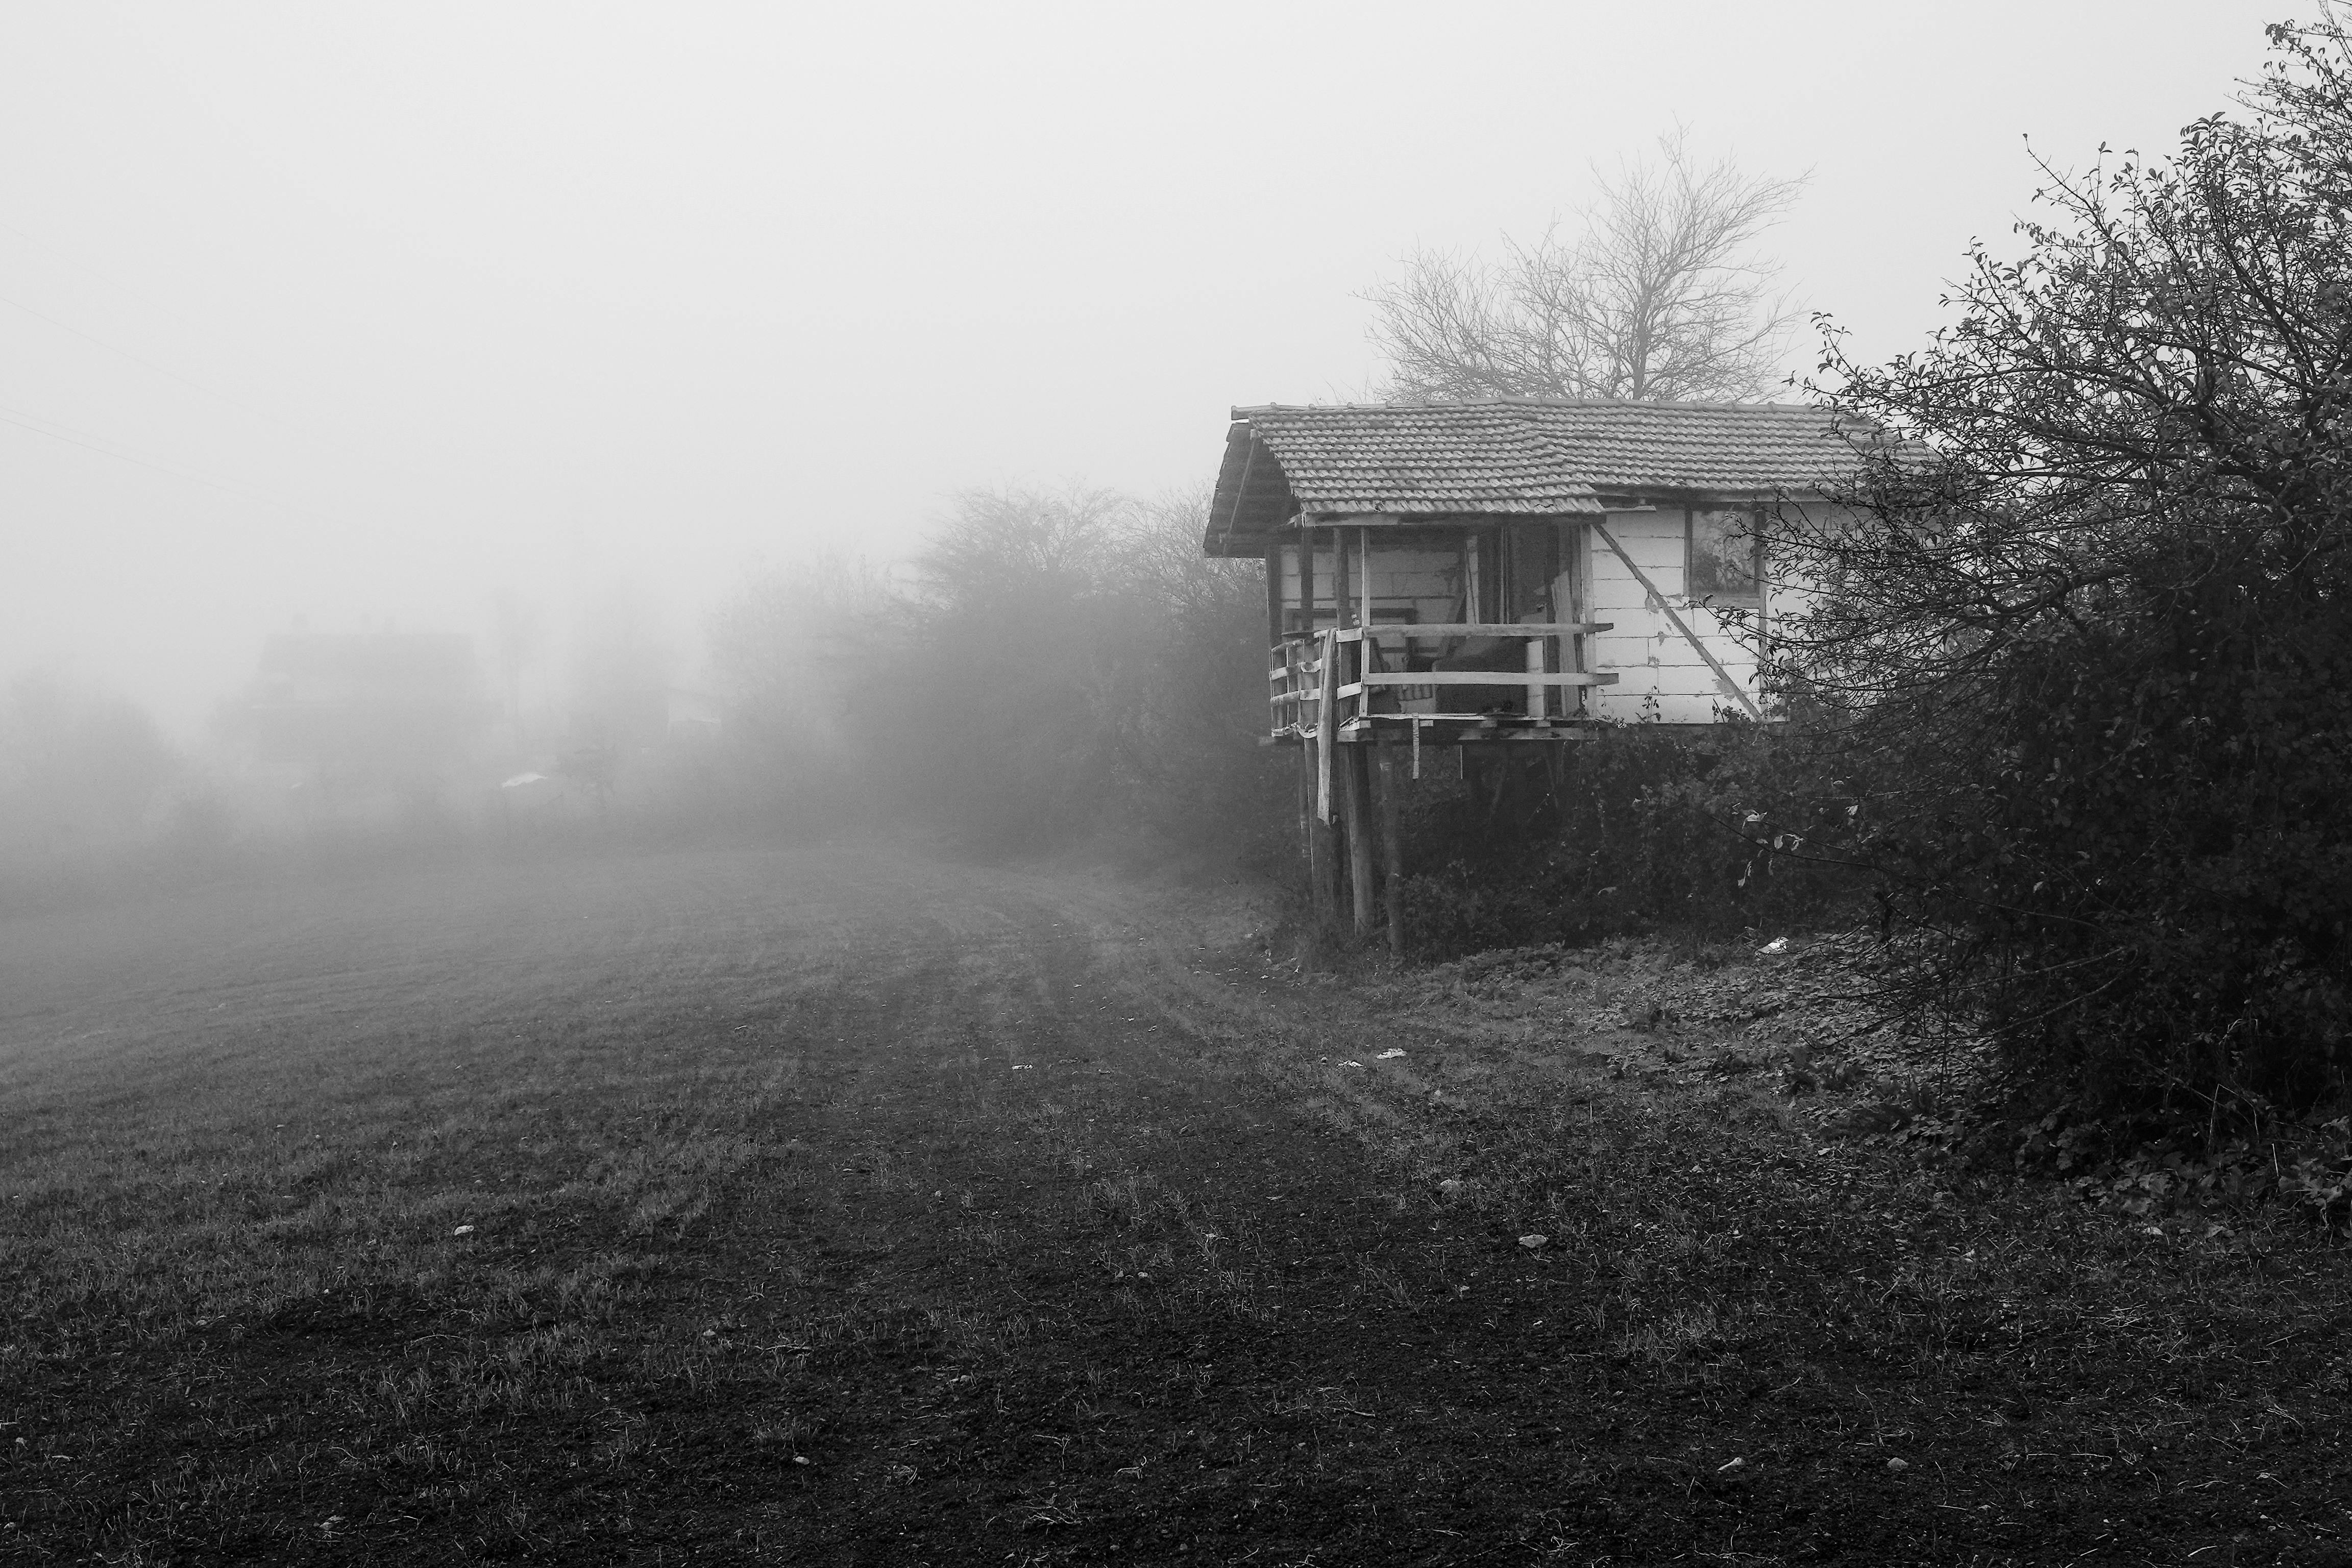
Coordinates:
(1322,855)
(1391,853)
(1357,762)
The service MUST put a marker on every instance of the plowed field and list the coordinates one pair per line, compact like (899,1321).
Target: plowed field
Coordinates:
(817,1205)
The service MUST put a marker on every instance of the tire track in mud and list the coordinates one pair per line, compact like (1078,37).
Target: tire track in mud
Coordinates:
(1051,1213)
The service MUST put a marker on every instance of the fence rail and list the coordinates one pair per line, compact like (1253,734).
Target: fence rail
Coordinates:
(1356,674)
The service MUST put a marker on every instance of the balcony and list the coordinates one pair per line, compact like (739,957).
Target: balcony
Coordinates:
(1447,683)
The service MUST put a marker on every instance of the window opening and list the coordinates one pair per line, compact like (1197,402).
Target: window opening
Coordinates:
(1725,561)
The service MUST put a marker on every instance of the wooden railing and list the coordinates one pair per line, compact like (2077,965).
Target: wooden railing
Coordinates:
(1346,673)
(1296,678)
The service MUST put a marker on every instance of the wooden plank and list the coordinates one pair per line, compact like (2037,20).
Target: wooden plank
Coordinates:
(1476,678)
(1651,588)
(1477,729)
(1425,630)
(1450,729)
(1327,726)
(1297,672)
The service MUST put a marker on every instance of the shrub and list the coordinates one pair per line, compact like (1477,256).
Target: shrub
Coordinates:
(1636,830)
(2079,646)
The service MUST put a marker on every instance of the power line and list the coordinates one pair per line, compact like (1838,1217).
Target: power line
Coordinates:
(105,446)
(110,348)
(111,282)
(211,391)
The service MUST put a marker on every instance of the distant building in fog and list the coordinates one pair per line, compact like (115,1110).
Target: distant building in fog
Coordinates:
(360,709)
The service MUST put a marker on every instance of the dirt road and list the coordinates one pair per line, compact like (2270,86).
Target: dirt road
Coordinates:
(816,1205)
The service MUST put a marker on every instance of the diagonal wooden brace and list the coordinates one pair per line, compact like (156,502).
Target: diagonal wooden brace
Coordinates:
(1722,675)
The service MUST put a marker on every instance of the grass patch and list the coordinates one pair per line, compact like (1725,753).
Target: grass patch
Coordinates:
(811,1208)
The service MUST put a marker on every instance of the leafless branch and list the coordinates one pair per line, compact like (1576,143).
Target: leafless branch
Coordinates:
(1663,296)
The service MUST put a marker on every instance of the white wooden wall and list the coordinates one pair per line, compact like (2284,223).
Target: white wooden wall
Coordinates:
(1426,581)
(1661,679)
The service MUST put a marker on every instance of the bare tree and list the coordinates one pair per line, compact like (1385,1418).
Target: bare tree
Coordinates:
(1003,544)
(1662,297)
(790,646)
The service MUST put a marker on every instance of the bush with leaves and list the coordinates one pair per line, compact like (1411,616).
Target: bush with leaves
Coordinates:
(1642,830)
(2080,644)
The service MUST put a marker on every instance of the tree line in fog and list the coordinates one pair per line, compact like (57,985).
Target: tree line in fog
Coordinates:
(1053,662)
(1050,663)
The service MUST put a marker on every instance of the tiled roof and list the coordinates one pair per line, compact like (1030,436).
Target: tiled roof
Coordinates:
(1720,446)
(1521,457)
(1426,459)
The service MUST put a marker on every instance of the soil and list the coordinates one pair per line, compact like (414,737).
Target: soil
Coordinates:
(831,1206)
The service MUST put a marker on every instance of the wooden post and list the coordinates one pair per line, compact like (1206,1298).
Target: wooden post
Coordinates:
(1306,807)
(1343,605)
(1537,697)
(1306,580)
(1323,841)
(1555,697)
(1763,609)
(1321,833)
(1274,575)
(1391,854)
(1360,835)
(1579,549)
(1343,600)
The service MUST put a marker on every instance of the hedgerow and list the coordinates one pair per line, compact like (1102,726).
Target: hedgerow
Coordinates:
(2078,649)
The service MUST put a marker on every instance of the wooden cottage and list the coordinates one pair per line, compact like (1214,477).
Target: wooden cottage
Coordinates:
(1516,572)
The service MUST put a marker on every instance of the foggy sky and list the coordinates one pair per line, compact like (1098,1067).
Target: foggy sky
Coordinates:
(370,311)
